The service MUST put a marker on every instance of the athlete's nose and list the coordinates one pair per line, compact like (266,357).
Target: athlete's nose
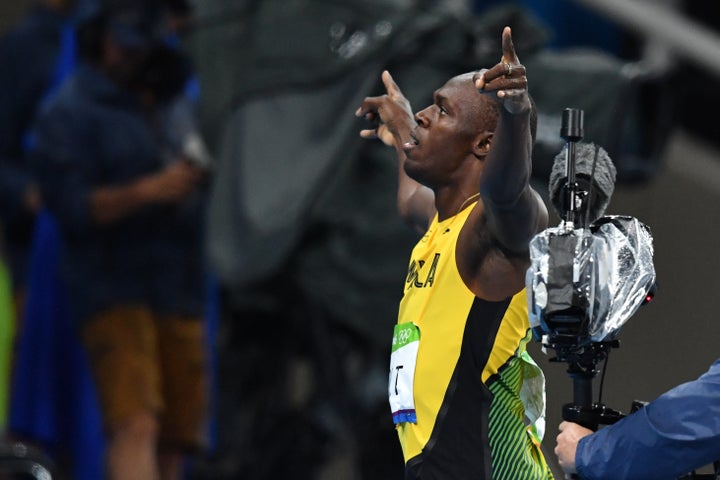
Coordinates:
(423,117)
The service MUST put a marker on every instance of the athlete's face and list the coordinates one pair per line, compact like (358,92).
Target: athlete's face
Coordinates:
(446,132)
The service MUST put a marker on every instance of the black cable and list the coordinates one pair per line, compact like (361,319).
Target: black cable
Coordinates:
(602,377)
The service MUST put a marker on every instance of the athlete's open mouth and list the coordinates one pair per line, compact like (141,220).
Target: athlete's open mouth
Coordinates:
(414,139)
(410,144)
(413,142)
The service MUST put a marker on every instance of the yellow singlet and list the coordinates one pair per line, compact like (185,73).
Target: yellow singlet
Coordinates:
(468,372)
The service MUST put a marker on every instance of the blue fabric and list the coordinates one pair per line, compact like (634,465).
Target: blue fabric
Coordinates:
(66,62)
(673,435)
(53,399)
(404,416)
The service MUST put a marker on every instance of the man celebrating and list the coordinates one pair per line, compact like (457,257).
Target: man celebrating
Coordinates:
(459,363)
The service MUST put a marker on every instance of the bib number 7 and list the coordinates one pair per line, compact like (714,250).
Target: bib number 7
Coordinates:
(405,344)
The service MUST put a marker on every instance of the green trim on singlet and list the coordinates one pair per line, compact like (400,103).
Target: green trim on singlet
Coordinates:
(512,451)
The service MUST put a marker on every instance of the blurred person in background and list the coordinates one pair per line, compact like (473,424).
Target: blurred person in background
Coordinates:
(130,206)
(36,56)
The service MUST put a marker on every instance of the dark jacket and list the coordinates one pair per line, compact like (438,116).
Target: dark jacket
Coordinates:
(673,435)
(95,135)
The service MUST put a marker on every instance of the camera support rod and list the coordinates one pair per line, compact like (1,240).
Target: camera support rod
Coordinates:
(572,131)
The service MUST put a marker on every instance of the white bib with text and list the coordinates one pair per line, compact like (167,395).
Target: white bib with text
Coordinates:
(405,343)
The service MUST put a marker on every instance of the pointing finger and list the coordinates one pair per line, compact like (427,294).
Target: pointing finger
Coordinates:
(390,85)
(508,48)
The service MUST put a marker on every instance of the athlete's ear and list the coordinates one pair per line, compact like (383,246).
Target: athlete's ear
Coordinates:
(481,146)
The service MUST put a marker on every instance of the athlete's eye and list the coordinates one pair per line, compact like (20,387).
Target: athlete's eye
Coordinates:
(443,110)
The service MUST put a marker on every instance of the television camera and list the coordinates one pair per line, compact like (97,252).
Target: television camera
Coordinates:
(588,275)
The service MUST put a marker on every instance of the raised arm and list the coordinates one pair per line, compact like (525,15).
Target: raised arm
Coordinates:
(513,210)
(394,120)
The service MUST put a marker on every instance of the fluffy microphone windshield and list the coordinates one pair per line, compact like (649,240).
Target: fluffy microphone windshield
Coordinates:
(603,176)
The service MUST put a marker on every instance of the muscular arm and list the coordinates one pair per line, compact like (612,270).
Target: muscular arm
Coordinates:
(514,211)
(392,112)
(70,176)
(112,203)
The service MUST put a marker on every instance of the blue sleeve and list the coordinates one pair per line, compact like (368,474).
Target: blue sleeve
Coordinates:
(673,435)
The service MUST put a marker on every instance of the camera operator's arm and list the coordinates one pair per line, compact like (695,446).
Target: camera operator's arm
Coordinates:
(395,122)
(675,434)
(170,185)
(514,211)
(65,164)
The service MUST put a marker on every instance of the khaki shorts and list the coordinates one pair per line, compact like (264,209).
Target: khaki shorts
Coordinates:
(143,362)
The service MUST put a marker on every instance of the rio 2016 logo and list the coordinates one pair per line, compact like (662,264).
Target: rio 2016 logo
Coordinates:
(402,336)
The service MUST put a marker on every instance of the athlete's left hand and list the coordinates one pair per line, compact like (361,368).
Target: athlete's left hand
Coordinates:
(506,80)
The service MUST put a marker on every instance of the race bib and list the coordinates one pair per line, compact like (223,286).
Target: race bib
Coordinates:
(405,343)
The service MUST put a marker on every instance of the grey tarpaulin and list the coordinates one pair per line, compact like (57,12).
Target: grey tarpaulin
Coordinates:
(281,82)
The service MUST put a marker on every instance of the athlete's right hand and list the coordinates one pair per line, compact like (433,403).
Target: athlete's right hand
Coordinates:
(390,113)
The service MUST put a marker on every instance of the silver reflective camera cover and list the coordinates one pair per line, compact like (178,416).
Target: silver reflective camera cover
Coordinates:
(602,273)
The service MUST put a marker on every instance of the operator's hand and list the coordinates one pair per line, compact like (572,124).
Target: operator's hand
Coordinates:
(506,80)
(391,113)
(567,441)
